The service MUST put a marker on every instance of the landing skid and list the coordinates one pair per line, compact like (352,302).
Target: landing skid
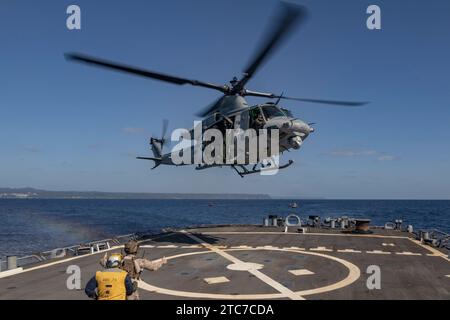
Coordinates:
(255,169)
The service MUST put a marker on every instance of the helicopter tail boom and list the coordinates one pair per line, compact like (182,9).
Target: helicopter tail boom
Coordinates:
(157,161)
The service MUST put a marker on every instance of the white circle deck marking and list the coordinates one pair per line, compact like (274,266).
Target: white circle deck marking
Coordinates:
(245,266)
(353,275)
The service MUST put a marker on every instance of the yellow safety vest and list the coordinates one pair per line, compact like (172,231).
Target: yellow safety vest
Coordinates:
(111,285)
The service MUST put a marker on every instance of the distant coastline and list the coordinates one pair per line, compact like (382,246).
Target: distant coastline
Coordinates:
(32,193)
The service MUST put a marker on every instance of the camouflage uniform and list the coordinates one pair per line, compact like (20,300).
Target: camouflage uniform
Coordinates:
(134,266)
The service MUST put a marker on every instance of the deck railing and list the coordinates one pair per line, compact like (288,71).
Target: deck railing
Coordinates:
(89,247)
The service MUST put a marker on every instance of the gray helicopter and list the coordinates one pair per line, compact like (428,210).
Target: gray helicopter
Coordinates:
(231,110)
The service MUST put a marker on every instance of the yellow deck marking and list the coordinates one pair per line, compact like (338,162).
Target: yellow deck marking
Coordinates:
(432,255)
(321,249)
(269,281)
(270,247)
(296,248)
(349,251)
(216,280)
(434,251)
(407,253)
(219,247)
(9,273)
(353,275)
(245,266)
(378,252)
(301,272)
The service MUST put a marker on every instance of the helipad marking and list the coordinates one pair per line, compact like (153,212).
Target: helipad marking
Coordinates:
(295,248)
(321,249)
(240,247)
(216,280)
(276,285)
(301,272)
(431,249)
(8,273)
(388,244)
(245,266)
(353,275)
(407,253)
(433,255)
(349,251)
(378,252)
(220,247)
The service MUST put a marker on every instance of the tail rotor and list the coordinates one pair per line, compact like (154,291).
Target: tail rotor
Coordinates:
(157,145)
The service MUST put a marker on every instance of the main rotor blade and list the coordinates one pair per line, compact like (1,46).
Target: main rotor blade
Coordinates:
(284,24)
(141,72)
(210,108)
(331,102)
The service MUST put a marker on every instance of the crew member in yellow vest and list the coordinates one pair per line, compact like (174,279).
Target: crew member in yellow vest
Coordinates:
(112,283)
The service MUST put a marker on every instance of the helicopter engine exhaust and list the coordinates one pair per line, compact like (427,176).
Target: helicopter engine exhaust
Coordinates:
(296,142)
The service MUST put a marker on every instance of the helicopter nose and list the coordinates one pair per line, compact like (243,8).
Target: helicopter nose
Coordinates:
(301,127)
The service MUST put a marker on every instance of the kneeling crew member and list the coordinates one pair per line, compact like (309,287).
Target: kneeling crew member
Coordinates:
(111,283)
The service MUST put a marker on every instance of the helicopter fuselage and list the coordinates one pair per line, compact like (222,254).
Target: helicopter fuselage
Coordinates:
(292,132)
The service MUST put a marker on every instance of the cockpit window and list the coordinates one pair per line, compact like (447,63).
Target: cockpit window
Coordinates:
(287,113)
(256,119)
(272,112)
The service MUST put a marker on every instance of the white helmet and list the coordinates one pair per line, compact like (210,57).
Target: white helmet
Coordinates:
(114,260)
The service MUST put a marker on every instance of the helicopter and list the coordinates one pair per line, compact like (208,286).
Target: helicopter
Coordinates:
(231,110)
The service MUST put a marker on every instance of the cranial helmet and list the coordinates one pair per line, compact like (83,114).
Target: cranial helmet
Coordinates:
(114,260)
(131,247)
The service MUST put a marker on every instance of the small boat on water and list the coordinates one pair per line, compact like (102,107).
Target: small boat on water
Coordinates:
(293,205)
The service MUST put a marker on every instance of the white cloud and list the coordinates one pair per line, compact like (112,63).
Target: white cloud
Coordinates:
(386,158)
(352,153)
(380,156)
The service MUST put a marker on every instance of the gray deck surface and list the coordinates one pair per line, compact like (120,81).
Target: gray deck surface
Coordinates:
(283,266)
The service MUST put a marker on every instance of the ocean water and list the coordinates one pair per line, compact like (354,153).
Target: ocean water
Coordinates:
(29,226)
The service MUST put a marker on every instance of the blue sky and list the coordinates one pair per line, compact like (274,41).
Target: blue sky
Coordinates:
(65,126)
